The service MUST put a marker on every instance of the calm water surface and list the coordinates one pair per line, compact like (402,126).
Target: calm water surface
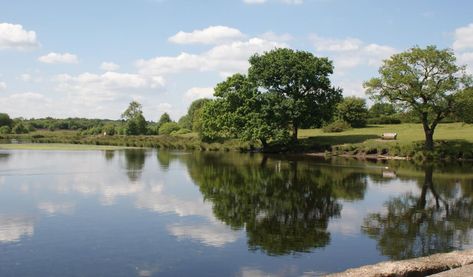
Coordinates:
(150,213)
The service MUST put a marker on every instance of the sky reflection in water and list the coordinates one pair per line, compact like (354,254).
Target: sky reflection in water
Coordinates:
(145,213)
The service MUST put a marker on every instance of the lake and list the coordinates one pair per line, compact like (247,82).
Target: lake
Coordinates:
(160,213)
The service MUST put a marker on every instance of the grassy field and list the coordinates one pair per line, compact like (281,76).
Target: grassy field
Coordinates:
(58,146)
(407,133)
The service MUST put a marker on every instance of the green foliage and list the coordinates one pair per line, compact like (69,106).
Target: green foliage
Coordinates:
(5,120)
(336,127)
(135,121)
(353,111)
(181,131)
(385,119)
(241,111)
(165,118)
(109,129)
(4,130)
(20,128)
(464,105)
(381,109)
(302,83)
(184,122)
(423,80)
(194,114)
(168,127)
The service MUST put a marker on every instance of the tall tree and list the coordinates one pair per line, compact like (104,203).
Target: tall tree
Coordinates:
(302,80)
(135,121)
(241,111)
(5,120)
(422,80)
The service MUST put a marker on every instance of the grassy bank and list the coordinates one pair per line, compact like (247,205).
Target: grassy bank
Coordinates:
(59,146)
(453,141)
(184,142)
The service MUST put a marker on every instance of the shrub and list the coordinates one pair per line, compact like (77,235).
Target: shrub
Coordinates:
(181,131)
(336,127)
(20,129)
(168,127)
(353,110)
(5,130)
(384,119)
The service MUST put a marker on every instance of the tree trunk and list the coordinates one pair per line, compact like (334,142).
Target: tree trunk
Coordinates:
(295,129)
(429,139)
(264,143)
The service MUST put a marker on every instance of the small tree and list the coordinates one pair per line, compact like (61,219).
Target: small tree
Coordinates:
(5,120)
(135,121)
(464,106)
(353,110)
(423,80)
(165,118)
(381,109)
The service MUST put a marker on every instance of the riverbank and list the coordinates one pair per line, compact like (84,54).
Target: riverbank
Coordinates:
(453,141)
(423,266)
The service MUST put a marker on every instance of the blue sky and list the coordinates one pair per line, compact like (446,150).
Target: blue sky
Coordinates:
(91,58)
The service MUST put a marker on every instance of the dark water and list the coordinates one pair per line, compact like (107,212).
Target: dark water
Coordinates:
(148,213)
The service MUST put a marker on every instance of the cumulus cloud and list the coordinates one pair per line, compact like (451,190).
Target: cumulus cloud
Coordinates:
(463,37)
(109,66)
(271,36)
(227,58)
(13,36)
(3,86)
(214,234)
(12,228)
(209,35)
(56,58)
(463,46)
(95,88)
(251,2)
(349,52)
(198,92)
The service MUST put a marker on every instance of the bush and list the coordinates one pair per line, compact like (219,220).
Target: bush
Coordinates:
(5,130)
(168,127)
(20,129)
(336,127)
(384,119)
(181,131)
(353,110)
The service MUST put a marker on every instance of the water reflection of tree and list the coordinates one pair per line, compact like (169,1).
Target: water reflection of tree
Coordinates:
(134,162)
(284,206)
(109,154)
(439,219)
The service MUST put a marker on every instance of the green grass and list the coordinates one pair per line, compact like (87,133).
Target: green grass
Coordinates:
(407,133)
(58,146)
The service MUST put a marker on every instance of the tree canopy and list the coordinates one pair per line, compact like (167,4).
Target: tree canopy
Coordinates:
(422,80)
(302,82)
(135,121)
(353,110)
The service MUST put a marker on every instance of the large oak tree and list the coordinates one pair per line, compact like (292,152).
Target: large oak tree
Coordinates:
(421,80)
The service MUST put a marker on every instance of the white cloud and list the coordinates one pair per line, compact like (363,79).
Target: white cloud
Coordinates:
(351,52)
(3,86)
(109,66)
(463,37)
(271,36)
(212,234)
(51,208)
(12,229)
(210,35)
(226,58)
(293,2)
(13,36)
(198,92)
(55,58)
(93,88)
(254,1)
(335,45)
